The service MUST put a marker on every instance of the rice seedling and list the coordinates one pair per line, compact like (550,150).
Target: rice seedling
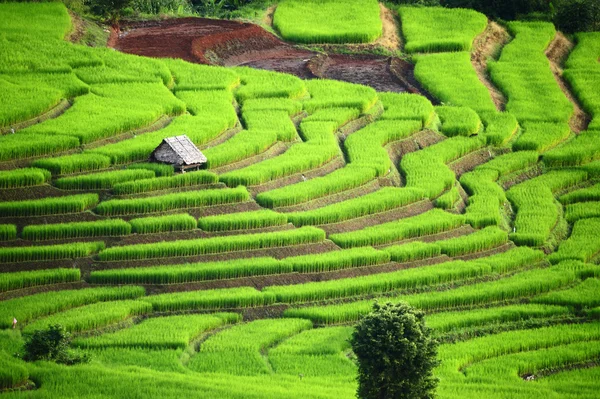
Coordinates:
(365,147)
(513,259)
(50,252)
(49,206)
(77,163)
(160,332)
(520,285)
(583,243)
(320,147)
(336,260)
(315,353)
(242,221)
(582,195)
(379,283)
(8,232)
(582,210)
(52,21)
(431,222)
(451,78)
(66,83)
(60,231)
(458,121)
(24,102)
(210,299)
(581,150)
(436,29)
(18,280)
(500,128)
(278,121)
(523,74)
(92,317)
(427,170)
(102,180)
(448,199)
(13,371)
(111,109)
(584,294)
(536,207)
(190,76)
(337,94)
(541,137)
(25,177)
(144,185)
(21,146)
(386,199)
(328,21)
(405,106)
(511,162)
(159,169)
(190,272)
(489,237)
(337,181)
(340,116)
(292,107)
(241,146)
(583,80)
(163,224)
(304,235)
(238,350)
(258,83)
(449,321)
(168,202)
(28,308)
(413,251)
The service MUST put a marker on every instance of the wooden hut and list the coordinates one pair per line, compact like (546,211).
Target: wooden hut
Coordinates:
(180,152)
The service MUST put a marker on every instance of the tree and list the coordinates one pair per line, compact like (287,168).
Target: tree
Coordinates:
(110,10)
(52,344)
(395,353)
(578,16)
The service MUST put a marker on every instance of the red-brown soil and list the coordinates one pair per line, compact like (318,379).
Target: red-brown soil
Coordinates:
(230,43)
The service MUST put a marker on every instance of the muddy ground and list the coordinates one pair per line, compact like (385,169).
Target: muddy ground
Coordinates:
(232,43)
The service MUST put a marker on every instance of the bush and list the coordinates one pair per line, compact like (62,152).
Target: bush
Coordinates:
(395,352)
(53,345)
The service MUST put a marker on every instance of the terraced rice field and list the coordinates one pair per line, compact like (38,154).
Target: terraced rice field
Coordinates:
(319,197)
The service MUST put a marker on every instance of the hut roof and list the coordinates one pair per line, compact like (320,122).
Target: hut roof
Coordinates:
(183,146)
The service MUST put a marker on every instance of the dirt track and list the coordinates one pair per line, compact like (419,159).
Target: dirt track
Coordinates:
(230,43)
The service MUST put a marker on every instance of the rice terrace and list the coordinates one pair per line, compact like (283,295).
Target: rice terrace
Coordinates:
(208,196)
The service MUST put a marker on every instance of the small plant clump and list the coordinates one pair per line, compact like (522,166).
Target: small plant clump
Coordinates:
(52,344)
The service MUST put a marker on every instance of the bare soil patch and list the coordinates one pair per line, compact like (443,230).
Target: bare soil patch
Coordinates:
(557,52)
(488,45)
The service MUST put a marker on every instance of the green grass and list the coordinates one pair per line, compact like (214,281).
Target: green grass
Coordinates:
(25,177)
(436,29)
(337,260)
(17,146)
(405,106)
(541,136)
(60,231)
(49,206)
(582,195)
(304,235)
(581,150)
(458,121)
(210,299)
(582,295)
(582,210)
(8,232)
(328,21)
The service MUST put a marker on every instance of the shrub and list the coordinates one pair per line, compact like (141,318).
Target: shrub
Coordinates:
(52,345)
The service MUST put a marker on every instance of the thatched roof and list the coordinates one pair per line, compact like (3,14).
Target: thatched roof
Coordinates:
(183,148)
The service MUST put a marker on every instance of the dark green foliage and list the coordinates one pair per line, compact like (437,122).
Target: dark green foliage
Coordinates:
(578,16)
(53,345)
(396,354)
